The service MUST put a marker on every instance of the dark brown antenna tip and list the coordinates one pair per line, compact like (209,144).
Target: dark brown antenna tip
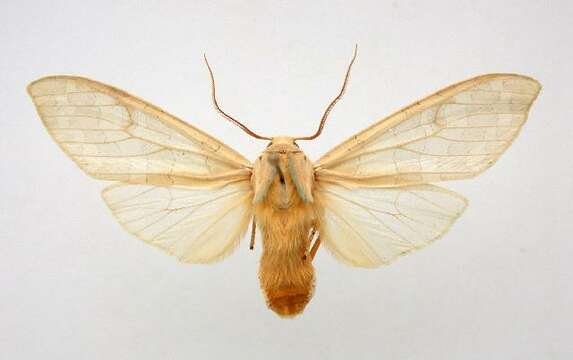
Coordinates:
(331,105)
(224,114)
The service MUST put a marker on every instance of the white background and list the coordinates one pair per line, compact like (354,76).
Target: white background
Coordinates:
(74,285)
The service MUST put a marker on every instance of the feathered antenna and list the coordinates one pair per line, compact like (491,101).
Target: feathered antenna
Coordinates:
(331,105)
(224,114)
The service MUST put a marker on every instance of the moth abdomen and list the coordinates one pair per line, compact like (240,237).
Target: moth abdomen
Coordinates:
(289,302)
(287,277)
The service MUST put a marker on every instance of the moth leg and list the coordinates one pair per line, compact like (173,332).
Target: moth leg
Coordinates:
(253,228)
(314,248)
(310,237)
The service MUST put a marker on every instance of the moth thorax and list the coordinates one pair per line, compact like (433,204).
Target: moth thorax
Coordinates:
(283,179)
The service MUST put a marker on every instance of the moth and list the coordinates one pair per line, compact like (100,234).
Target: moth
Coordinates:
(369,200)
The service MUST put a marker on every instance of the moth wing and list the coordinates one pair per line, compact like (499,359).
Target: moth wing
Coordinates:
(178,188)
(112,135)
(455,133)
(373,188)
(372,226)
(195,224)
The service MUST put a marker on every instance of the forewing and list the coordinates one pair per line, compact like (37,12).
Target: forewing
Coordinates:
(112,135)
(454,134)
(195,224)
(372,226)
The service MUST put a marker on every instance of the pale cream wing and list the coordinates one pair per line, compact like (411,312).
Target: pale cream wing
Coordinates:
(179,188)
(372,226)
(456,133)
(112,135)
(195,224)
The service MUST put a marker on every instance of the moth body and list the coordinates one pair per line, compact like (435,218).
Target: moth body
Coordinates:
(284,211)
(369,200)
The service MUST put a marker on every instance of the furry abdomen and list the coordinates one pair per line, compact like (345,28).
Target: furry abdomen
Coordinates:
(286,273)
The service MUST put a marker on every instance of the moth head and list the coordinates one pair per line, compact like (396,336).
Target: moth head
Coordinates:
(273,139)
(282,144)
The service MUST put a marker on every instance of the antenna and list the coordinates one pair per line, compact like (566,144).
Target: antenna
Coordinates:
(333,102)
(224,114)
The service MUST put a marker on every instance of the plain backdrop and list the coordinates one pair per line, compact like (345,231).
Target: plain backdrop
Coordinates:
(74,285)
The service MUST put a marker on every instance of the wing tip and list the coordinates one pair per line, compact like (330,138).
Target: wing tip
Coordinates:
(31,85)
(42,86)
(527,78)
